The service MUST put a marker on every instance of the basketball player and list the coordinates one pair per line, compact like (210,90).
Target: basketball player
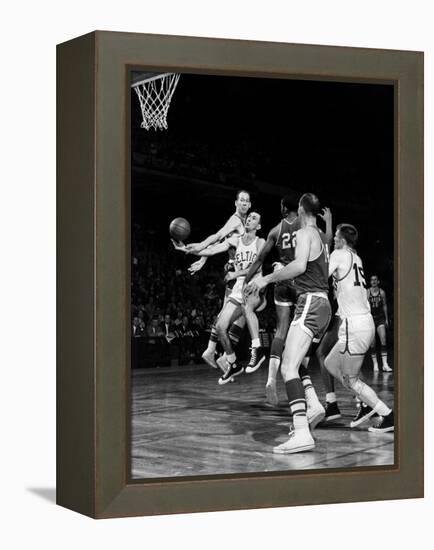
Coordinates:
(234,226)
(247,248)
(309,269)
(356,331)
(283,237)
(377,301)
(332,411)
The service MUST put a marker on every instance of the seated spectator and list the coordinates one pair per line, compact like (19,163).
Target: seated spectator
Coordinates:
(168,328)
(154,330)
(139,328)
(178,321)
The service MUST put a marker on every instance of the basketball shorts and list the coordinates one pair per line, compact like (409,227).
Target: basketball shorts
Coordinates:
(237,298)
(379,320)
(356,334)
(312,314)
(285,294)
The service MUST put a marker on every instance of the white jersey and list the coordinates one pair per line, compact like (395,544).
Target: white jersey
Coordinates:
(245,255)
(351,290)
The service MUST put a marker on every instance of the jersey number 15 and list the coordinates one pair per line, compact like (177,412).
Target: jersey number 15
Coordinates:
(359,276)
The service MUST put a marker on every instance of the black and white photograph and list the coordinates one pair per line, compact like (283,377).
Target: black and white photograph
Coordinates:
(262,275)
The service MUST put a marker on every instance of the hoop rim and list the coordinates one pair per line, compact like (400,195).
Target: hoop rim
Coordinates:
(150,79)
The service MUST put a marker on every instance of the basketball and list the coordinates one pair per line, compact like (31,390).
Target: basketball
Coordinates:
(179,229)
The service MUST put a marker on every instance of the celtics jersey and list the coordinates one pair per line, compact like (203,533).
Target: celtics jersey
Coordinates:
(245,254)
(315,278)
(286,240)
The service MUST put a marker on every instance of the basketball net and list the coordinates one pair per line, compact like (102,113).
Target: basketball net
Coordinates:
(155,95)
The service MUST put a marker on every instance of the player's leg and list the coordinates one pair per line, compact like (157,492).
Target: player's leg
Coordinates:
(330,338)
(209,354)
(315,411)
(223,322)
(345,362)
(257,354)
(236,329)
(374,354)
(284,298)
(381,330)
(296,347)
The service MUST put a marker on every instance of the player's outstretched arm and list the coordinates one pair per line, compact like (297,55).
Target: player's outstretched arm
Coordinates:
(217,248)
(290,271)
(230,226)
(263,253)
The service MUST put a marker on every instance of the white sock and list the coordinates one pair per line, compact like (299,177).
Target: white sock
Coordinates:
(256,343)
(273,369)
(311,396)
(211,346)
(382,409)
(231,358)
(331,397)
(300,422)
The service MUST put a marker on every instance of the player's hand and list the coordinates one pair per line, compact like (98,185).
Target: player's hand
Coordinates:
(387,323)
(196,266)
(179,245)
(326,214)
(255,286)
(230,276)
(277,266)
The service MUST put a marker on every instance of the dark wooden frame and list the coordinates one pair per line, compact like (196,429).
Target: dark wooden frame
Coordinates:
(93,273)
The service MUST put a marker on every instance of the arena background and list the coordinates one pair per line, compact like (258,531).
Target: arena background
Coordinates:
(272,137)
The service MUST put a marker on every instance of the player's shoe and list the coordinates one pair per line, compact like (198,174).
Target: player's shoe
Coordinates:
(257,357)
(315,413)
(299,441)
(209,358)
(233,370)
(222,363)
(384,424)
(365,412)
(386,368)
(332,412)
(271,393)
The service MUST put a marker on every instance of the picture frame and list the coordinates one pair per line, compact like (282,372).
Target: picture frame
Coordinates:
(93,333)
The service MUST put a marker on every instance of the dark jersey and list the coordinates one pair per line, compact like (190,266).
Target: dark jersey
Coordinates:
(285,243)
(316,276)
(377,303)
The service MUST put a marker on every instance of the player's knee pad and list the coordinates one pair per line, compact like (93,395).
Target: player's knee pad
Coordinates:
(277,348)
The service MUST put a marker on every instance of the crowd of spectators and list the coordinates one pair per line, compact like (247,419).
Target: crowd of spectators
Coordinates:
(172,311)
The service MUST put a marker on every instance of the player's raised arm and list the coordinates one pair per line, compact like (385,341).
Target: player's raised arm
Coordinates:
(326,215)
(263,253)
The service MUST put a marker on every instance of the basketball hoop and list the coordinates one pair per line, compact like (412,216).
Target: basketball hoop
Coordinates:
(155,94)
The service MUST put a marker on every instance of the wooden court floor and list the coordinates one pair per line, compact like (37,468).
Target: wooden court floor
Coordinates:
(184,424)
